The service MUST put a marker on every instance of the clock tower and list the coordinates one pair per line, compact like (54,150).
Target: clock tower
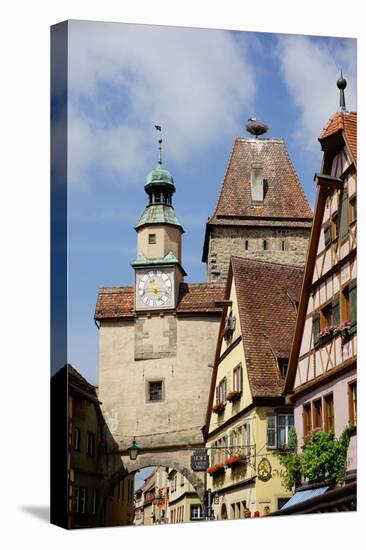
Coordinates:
(158,270)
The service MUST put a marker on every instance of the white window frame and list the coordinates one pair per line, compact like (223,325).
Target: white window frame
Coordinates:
(196,512)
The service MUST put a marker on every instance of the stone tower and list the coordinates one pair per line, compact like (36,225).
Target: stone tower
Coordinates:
(261,210)
(156,346)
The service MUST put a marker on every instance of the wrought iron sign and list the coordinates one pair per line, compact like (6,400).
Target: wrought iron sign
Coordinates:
(199,461)
(264,470)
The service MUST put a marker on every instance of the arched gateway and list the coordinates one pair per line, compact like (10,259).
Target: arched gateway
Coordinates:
(157,343)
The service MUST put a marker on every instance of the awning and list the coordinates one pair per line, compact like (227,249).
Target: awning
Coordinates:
(301,496)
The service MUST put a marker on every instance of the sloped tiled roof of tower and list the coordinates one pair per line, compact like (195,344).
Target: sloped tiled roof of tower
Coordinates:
(346,122)
(267,318)
(117,302)
(284,196)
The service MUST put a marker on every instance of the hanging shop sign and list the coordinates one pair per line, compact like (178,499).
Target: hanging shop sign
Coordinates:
(199,461)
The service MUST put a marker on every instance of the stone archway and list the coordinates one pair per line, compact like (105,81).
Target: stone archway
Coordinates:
(117,466)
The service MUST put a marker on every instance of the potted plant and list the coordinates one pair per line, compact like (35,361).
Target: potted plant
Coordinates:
(343,329)
(218,407)
(234,460)
(216,469)
(233,395)
(326,333)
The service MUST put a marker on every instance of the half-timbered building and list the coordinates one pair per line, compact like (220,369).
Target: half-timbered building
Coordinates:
(321,378)
(247,419)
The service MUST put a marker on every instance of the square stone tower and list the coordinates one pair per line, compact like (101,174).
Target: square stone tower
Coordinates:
(261,210)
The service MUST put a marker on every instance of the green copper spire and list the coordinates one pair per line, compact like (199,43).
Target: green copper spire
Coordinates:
(159,187)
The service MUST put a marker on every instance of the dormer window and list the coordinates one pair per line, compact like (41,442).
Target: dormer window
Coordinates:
(257,183)
(282,365)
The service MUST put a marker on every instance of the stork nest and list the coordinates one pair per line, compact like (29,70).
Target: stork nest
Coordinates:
(256,128)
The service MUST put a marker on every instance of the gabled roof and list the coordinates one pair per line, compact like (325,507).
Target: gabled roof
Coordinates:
(267,318)
(284,195)
(118,302)
(346,123)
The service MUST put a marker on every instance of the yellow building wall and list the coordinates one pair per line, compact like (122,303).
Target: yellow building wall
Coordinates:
(239,488)
(119,505)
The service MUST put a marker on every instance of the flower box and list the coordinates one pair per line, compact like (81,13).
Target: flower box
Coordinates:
(218,407)
(233,395)
(343,330)
(234,460)
(216,469)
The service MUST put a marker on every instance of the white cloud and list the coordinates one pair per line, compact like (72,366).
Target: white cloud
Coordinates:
(310,69)
(125,78)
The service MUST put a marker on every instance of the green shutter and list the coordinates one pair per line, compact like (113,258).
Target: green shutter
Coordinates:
(343,225)
(352,290)
(327,234)
(316,327)
(335,311)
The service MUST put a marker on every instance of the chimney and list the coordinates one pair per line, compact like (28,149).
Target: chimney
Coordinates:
(256,180)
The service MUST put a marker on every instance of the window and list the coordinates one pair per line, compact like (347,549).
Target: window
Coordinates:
(334,225)
(327,234)
(307,418)
(246,437)
(352,403)
(343,220)
(285,422)
(196,511)
(329,413)
(90,443)
(181,479)
(256,181)
(316,328)
(246,245)
(281,502)
(221,391)
(264,245)
(317,414)
(80,500)
(278,427)
(237,378)
(353,209)
(94,502)
(349,305)
(282,365)
(330,314)
(282,245)
(152,238)
(77,438)
(156,391)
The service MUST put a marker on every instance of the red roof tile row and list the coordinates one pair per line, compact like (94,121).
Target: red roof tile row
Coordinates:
(118,302)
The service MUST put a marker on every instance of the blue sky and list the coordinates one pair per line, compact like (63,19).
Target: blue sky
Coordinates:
(201,86)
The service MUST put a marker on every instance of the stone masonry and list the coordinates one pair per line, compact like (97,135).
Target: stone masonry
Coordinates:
(283,245)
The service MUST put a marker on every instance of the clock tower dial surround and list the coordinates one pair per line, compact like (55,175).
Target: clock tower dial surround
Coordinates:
(155,288)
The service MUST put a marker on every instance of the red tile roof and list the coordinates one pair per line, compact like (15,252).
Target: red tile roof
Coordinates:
(346,123)
(118,302)
(267,318)
(284,196)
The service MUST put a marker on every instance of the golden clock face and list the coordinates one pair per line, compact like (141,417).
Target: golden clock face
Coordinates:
(155,289)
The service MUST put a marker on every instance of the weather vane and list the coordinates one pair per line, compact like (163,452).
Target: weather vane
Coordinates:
(158,128)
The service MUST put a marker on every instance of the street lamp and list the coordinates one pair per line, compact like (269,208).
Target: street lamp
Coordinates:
(133,450)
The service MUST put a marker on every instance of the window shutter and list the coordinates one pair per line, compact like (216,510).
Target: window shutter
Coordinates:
(352,290)
(240,378)
(316,327)
(335,311)
(327,234)
(271,431)
(225,389)
(343,225)
(217,394)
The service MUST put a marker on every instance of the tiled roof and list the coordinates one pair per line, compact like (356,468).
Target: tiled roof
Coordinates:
(284,196)
(346,122)
(78,381)
(118,302)
(267,318)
